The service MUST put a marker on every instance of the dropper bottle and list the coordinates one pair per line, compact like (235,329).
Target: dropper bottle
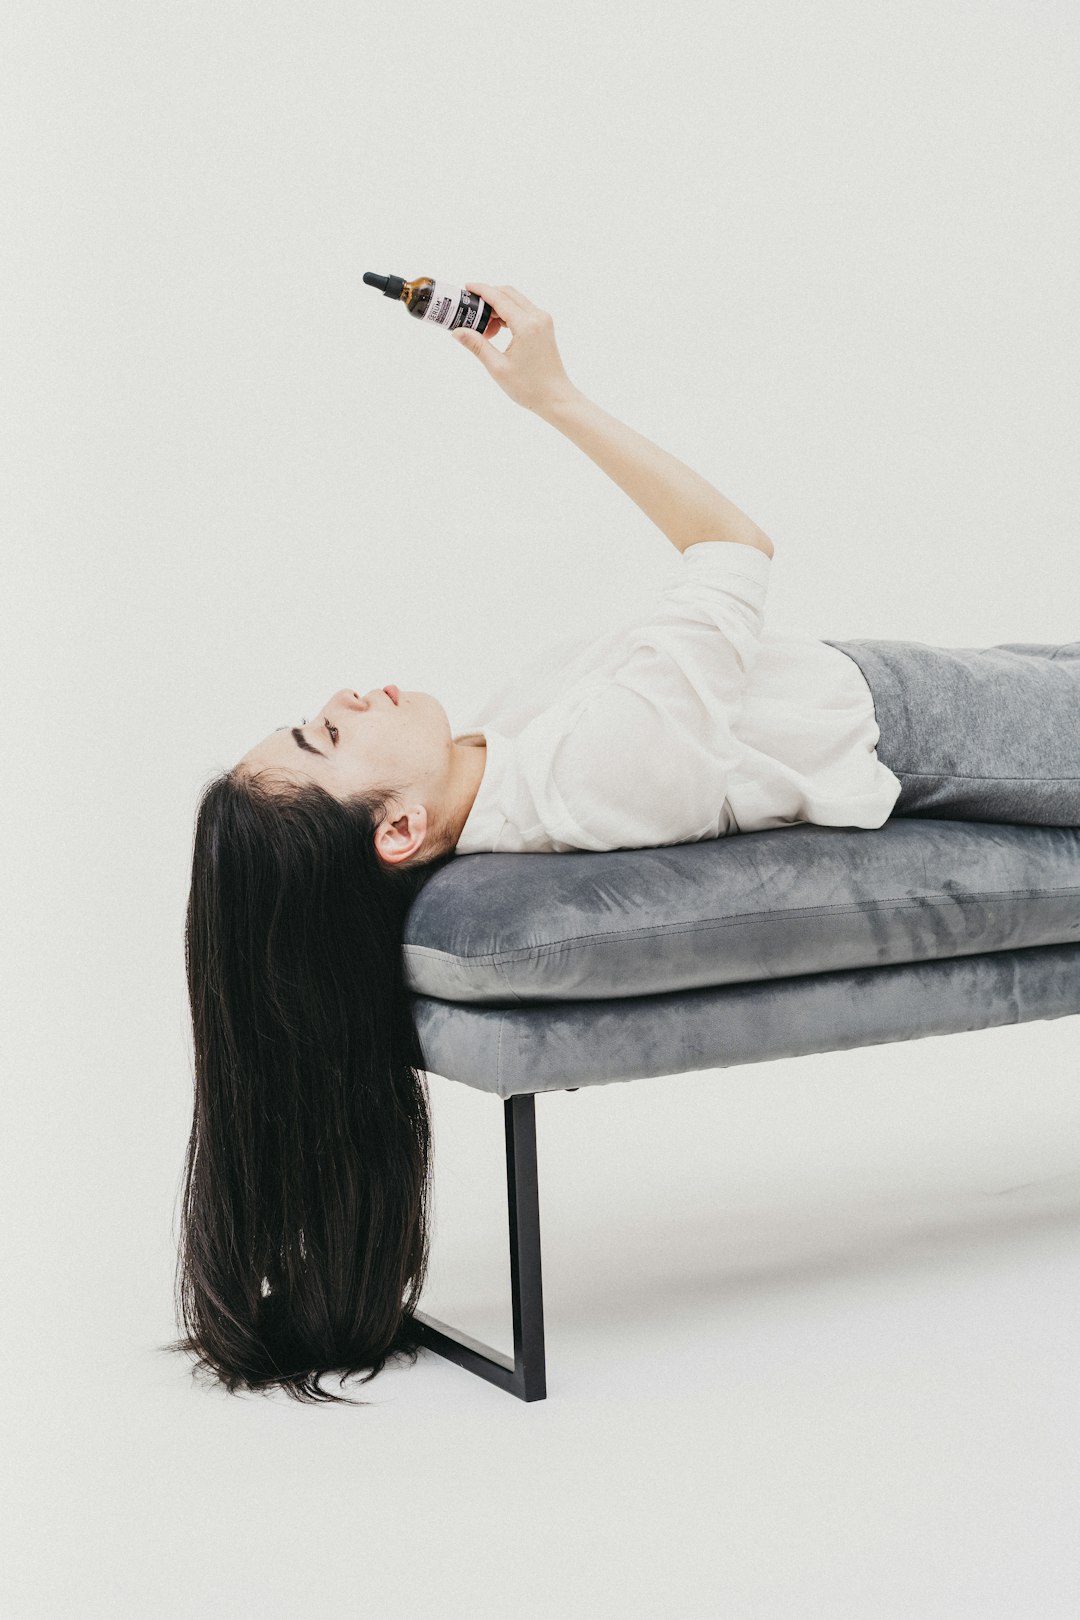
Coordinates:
(442,302)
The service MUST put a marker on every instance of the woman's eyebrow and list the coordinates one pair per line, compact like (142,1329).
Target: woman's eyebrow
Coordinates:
(302,742)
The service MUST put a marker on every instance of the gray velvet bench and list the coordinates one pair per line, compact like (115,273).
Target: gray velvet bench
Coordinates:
(537,973)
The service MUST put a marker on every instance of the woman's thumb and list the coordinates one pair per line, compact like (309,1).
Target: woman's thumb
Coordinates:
(474,342)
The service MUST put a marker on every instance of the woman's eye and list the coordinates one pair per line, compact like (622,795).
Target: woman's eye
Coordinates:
(333,730)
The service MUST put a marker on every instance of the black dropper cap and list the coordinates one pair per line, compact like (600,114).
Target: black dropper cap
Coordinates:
(389,286)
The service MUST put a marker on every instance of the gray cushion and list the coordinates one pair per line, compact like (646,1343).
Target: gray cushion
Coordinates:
(787,901)
(553,1045)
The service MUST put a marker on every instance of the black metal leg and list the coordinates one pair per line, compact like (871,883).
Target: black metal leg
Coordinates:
(525,1376)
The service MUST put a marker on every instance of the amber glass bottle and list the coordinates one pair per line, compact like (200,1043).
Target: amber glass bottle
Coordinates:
(439,301)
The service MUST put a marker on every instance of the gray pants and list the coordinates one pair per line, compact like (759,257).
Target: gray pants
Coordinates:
(978,733)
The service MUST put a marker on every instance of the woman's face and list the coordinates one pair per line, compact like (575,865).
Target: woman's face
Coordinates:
(357,742)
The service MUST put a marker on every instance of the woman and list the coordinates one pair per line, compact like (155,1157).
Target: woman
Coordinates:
(307,1183)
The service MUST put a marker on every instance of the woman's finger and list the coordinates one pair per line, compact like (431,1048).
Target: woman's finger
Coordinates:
(517,297)
(490,295)
(502,300)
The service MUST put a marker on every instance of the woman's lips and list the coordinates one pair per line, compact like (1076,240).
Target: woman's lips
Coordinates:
(392,693)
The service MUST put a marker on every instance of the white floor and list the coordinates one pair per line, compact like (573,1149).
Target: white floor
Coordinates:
(813,1351)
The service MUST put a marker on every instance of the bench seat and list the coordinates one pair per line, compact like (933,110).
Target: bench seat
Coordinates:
(533,972)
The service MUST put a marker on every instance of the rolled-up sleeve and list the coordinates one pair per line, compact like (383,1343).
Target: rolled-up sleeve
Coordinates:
(648,756)
(722,585)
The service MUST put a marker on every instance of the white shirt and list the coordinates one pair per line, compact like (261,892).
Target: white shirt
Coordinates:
(692,722)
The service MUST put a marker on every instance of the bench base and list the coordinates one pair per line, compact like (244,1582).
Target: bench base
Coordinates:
(525,1376)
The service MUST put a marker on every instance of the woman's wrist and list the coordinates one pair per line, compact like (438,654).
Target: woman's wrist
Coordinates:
(562,400)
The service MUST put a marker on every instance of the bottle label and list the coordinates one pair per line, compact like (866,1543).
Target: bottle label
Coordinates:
(452,306)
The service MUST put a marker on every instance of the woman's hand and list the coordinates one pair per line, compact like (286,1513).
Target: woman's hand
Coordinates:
(530,368)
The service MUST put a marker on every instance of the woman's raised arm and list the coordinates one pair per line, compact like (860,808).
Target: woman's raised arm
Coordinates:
(685,506)
(678,500)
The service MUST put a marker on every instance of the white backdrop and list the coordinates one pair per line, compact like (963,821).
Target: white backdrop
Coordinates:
(828,256)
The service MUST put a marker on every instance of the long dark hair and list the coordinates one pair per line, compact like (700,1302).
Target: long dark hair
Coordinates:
(307,1183)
